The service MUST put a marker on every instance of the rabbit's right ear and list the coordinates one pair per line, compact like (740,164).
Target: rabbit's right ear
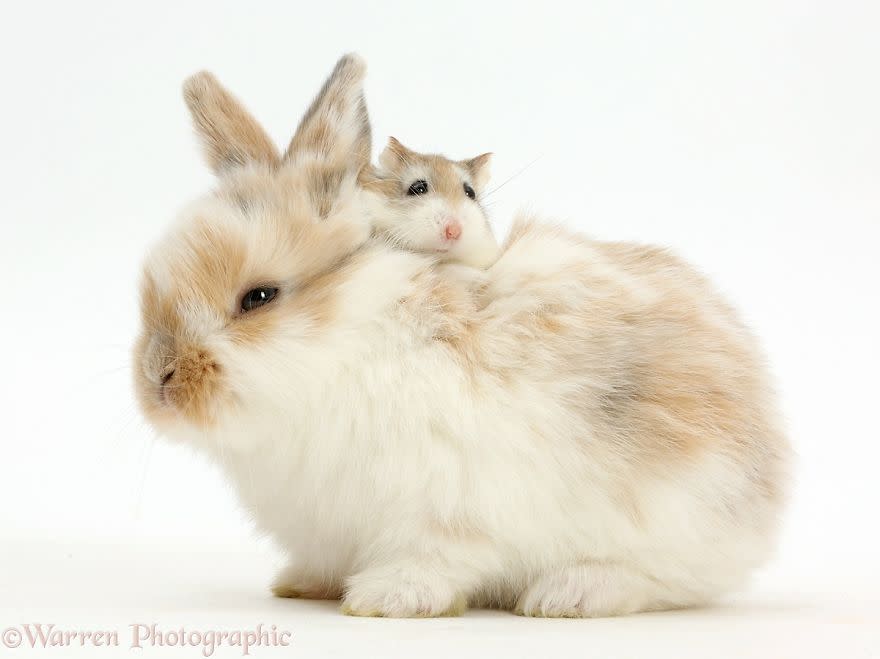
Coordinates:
(230,136)
(335,129)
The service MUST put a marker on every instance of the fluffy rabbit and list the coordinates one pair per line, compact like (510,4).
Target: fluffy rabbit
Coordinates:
(590,433)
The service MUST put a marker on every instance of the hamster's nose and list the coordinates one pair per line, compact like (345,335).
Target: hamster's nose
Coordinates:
(452,230)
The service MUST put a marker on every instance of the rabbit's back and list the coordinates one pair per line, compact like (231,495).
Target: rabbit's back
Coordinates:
(591,404)
(650,396)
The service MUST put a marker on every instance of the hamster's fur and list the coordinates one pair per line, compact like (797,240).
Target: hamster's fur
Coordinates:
(600,438)
(429,203)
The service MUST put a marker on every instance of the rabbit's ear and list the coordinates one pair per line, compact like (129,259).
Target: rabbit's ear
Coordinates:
(479,169)
(230,136)
(336,128)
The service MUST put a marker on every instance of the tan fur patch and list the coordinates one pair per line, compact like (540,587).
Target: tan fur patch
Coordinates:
(446,174)
(339,108)
(670,369)
(316,593)
(194,384)
(186,378)
(230,135)
(479,169)
(286,225)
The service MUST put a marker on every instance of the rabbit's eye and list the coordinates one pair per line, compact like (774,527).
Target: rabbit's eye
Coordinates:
(469,191)
(419,187)
(257,297)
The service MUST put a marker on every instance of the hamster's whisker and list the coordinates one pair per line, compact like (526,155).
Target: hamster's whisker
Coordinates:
(505,182)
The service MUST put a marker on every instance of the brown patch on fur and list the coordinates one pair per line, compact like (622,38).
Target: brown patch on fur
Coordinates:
(339,108)
(445,312)
(672,375)
(547,324)
(252,327)
(320,592)
(318,297)
(479,169)
(176,377)
(324,189)
(230,135)
(396,154)
(291,225)
(194,384)
(445,174)
(316,281)
(452,309)
(214,267)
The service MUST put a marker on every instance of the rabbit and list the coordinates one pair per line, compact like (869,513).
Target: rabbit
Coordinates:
(427,202)
(596,436)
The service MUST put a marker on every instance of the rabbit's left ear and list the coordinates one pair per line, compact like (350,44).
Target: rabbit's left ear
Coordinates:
(479,169)
(335,130)
(230,136)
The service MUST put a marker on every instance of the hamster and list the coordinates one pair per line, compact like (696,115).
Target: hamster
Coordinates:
(429,203)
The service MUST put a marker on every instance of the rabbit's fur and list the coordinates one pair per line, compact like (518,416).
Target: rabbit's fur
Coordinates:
(589,431)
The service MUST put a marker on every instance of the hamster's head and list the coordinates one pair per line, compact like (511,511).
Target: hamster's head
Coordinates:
(236,298)
(429,203)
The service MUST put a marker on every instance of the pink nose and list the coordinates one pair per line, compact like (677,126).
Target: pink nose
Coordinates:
(453,230)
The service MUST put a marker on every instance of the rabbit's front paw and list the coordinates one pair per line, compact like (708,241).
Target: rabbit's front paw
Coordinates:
(401,592)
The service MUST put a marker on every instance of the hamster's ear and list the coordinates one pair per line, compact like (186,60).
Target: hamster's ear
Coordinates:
(230,136)
(336,127)
(479,169)
(394,155)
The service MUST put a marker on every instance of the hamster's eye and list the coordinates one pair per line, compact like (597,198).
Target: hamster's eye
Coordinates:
(419,187)
(469,191)
(257,297)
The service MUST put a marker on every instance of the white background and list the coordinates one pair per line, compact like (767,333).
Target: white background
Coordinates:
(745,135)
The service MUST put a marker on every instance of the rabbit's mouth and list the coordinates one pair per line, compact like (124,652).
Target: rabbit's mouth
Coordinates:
(177,383)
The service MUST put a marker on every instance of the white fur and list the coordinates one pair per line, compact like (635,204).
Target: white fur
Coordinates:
(395,469)
(350,448)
